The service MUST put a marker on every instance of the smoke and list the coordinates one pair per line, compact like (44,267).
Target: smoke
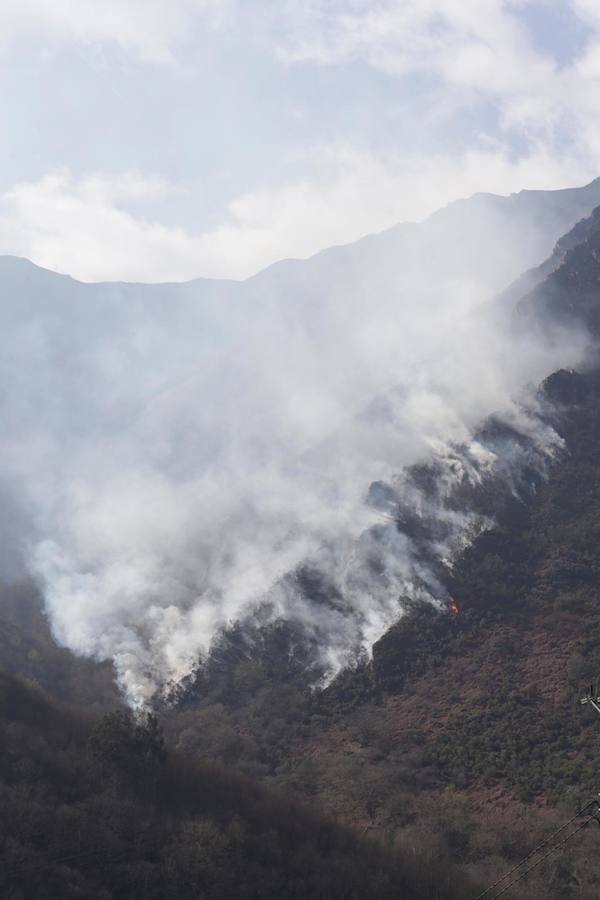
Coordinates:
(182,457)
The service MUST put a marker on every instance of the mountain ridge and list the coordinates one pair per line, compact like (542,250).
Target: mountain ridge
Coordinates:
(581,195)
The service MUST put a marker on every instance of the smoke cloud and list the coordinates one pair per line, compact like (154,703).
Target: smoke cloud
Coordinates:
(178,458)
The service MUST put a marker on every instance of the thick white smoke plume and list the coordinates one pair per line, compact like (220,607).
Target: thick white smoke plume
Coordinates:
(175,454)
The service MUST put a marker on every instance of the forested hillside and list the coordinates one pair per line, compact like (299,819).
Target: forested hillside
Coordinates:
(463,738)
(465,731)
(465,734)
(100,808)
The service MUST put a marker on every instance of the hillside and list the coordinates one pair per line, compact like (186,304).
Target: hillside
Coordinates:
(28,649)
(465,732)
(460,743)
(98,809)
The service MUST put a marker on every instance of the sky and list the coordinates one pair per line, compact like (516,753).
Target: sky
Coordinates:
(164,140)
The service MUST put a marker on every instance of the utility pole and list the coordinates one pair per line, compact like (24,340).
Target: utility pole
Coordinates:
(592,697)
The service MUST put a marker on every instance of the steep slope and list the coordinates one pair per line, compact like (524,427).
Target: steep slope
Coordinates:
(485,703)
(570,295)
(465,734)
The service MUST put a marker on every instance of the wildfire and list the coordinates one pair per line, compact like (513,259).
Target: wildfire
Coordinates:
(454,608)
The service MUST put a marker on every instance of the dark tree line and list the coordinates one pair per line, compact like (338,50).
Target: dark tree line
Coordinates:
(100,809)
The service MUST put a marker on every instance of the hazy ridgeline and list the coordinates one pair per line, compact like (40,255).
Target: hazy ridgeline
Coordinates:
(174,454)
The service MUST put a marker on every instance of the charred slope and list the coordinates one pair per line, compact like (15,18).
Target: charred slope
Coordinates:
(541,557)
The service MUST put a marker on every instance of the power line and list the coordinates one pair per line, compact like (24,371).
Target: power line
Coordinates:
(92,853)
(34,866)
(534,851)
(541,860)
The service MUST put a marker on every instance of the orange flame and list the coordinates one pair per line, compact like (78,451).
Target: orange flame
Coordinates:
(454,606)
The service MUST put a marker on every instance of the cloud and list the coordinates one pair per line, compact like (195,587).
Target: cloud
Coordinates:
(476,52)
(81,227)
(147,28)
(473,43)
(106,227)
